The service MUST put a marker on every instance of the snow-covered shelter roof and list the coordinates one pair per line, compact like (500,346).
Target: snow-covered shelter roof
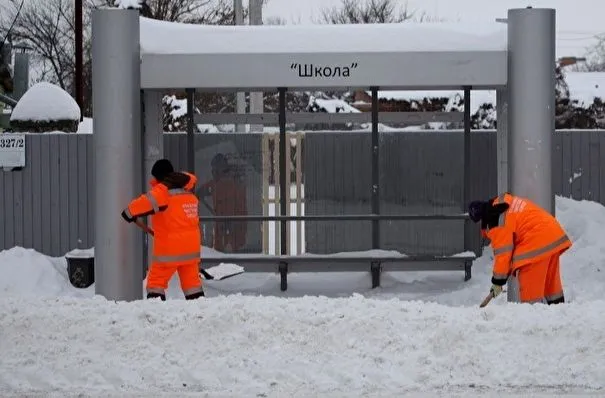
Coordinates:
(391,56)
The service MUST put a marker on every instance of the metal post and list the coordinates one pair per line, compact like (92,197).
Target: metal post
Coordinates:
(79,80)
(6,51)
(117,161)
(283,156)
(256,98)
(238,13)
(375,170)
(21,74)
(531,106)
(466,194)
(502,140)
(190,130)
(153,147)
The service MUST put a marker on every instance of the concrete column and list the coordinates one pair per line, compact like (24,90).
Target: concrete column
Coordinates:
(531,105)
(502,140)
(117,151)
(256,98)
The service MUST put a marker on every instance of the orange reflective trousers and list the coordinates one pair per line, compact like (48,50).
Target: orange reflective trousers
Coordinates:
(540,281)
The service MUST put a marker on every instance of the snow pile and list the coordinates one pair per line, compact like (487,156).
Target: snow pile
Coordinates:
(312,346)
(46,102)
(27,273)
(85,126)
(419,332)
(332,105)
(161,37)
(583,266)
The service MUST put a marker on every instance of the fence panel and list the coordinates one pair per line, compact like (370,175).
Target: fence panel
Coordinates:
(49,205)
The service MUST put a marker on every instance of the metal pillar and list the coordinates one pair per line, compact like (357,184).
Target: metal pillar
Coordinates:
(502,140)
(283,159)
(117,151)
(375,170)
(191,130)
(238,11)
(466,190)
(153,149)
(21,74)
(531,84)
(256,98)
(6,51)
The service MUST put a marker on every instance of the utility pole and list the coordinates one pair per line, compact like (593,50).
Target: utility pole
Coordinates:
(79,58)
(241,96)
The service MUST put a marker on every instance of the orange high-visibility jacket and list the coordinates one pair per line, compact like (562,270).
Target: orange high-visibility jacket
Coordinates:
(525,234)
(174,215)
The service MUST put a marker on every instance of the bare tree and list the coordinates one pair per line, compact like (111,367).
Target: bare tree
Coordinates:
(275,21)
(370,11)
(47,26)
(595,57)
(212,12)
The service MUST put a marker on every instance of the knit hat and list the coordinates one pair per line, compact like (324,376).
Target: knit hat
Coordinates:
(161,169)
(477,210)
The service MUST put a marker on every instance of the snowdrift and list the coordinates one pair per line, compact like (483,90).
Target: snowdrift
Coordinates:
(328,335)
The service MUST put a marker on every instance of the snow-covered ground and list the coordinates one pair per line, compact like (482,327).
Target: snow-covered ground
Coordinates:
(329,335)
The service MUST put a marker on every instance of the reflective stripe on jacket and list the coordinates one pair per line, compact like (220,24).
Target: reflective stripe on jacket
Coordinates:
(525,234)
(174,217)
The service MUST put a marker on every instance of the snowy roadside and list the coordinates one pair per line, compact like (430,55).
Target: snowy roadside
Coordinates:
(311,345)
(329,335)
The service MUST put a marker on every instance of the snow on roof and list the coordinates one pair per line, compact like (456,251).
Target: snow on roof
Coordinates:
(585,86)
(45,101)
(161,37)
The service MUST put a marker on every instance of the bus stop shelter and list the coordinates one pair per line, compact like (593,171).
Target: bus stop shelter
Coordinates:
(134,58)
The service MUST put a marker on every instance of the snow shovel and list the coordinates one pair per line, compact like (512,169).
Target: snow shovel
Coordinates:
(207,276)
(486,300)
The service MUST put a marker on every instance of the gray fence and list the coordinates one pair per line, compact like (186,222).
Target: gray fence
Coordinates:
(48,206)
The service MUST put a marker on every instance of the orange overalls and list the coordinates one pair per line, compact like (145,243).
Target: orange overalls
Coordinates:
(177,239)
(528,242)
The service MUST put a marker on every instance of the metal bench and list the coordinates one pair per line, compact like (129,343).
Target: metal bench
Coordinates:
(336,263)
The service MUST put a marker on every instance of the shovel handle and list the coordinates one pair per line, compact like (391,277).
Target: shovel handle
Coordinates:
(144,227)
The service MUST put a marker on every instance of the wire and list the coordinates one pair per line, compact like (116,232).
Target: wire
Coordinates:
(12,25)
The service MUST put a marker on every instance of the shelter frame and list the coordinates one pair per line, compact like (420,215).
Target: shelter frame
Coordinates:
(522,73)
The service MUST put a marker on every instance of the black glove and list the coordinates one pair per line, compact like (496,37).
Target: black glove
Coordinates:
(125,216)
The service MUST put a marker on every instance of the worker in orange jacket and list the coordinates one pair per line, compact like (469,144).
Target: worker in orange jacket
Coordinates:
(527,242)
(173,208)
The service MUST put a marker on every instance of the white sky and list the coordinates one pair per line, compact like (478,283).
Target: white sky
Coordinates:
(578,21)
